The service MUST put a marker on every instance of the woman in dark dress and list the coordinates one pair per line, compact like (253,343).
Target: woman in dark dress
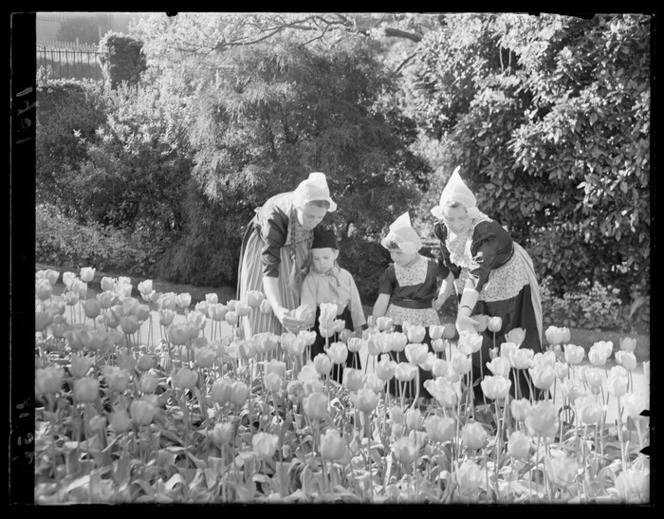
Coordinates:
(492,274)
(274,251)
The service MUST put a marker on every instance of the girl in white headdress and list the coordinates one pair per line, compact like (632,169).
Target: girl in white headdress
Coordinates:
(491,274)
(274,251)
(406,291)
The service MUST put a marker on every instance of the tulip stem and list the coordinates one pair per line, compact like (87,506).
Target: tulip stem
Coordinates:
(620,437)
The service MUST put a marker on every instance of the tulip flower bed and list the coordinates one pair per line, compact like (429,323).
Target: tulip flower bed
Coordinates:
(197,413)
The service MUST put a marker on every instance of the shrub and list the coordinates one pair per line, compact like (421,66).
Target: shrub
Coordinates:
(60,240)
(68,116)
(366,261)
(121,58)
(593,306)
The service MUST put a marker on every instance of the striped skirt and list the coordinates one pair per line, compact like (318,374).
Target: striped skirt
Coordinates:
(251,278)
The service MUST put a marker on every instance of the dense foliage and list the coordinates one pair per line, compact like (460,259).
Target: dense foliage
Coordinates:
(61,240)
(549,118)
(68,115)
(121,59)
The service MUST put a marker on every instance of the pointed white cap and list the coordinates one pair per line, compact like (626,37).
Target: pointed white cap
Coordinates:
(404,235)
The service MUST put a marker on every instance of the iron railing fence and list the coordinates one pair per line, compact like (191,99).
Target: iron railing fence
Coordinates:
(63,60)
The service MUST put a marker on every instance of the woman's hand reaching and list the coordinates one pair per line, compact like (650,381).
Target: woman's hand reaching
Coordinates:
(288,321)
(464,322)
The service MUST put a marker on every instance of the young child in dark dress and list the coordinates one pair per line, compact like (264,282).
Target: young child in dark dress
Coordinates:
(327,282)
(407,289)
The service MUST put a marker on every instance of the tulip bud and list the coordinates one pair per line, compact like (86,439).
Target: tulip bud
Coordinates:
(142,412)
(223,433)
(221,391)
(469,476)
(86,389)
(461,363)
(628,344)
(148,383)
(120,421)
(205,357)
(495,324)
(49,380)
(107,283)
(129,324)
(542,419)
(572,389)
(443,391)
(273,382)
(354,344)
(440,368)
(405,372)
(520,409)
(239,393)
(414,419)
(146,362)
(522,359)
(322,364)
(470,342)
(80,366)
(295,390)
(52,275)
(449,331)
(519,445)
(405,450)
(416,333)
(264,444)
(232,318)
(554,335)
(353,379)
(435,331)
(117,378)
(473,435)
(373,383)
(439,428)
(590,412)
(416,353)
(499,366)
(617,381)
(626,359)
(561,469)
(365,400)
(574,354)
(384,323)
(43,289)
(496,387)
(332,445)
(87,274)
(185,378)
(438,345)
(385,368)
(97,423)
(543,376)
(71,298)
(315,405)
(338,353)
